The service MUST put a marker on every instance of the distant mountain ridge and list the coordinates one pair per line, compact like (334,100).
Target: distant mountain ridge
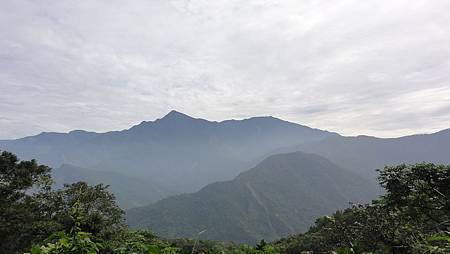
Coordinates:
(181,154)
(297,173)
(282,195)
(364,154)
(178,152)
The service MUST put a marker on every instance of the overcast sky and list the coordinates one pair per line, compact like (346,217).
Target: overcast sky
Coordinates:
(375,67)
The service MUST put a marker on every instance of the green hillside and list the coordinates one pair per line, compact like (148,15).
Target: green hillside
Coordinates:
(280,196)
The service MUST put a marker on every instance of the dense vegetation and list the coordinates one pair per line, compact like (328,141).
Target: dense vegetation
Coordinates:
(412,217)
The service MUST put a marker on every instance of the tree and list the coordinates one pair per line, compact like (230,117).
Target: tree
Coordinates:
(101,215)
(30,210)
(20,218)
(420,191)
(73,242)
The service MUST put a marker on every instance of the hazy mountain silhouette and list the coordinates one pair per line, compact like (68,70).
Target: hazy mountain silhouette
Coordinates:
(177,152)
(280,196)
(364,154)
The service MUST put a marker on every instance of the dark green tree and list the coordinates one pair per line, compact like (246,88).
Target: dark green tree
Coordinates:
(421,192)
(101,215)
(261,245)
(20,218)
(20,221)
(31,211)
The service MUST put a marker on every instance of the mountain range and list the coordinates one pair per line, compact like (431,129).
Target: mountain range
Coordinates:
(364,154)
(178,152)
(282,195)
(297,173)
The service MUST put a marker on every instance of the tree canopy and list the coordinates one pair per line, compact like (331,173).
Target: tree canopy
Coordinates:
(31,211)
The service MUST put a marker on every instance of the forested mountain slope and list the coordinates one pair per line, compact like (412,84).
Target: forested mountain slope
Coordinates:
(282,195)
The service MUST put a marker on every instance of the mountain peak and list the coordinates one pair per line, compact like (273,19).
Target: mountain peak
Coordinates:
(176,115)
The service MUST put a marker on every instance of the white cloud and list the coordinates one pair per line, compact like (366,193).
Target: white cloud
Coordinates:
(372,67)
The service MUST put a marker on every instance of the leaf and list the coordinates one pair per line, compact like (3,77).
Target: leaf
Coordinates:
(36,250)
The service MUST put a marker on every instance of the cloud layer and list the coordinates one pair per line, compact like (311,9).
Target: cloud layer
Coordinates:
(373,67)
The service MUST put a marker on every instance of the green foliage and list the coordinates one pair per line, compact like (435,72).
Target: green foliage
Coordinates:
(30,210)
(135,242)
(434,244)
(75,242)
(144,242)
(21,220)
(421,191)
(100,214)
(78,243)
(412,217)
(344,250)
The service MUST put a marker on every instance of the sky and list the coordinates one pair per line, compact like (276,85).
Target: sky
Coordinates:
(372,67)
